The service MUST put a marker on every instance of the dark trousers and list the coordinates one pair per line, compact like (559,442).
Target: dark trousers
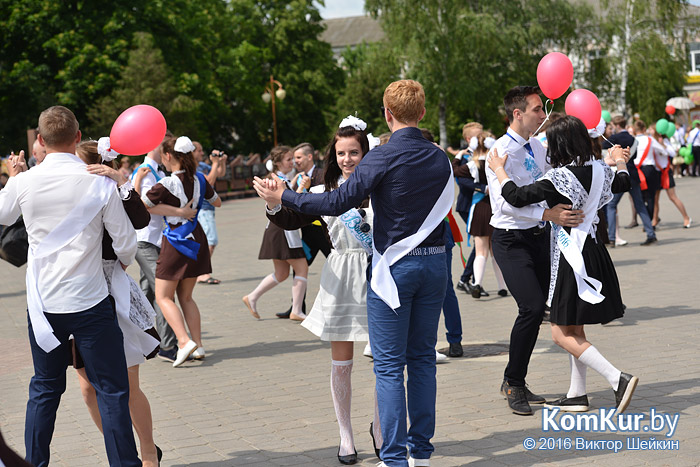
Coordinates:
(653,177)
(469,269)
(450,305)
(99,340)
(694,169)
(523,256)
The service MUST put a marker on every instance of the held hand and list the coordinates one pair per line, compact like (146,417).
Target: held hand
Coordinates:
(140,173)
(563,215)
(306,181)
(270,190)
(495,160)
(105,171)
(16,164)
(186,212)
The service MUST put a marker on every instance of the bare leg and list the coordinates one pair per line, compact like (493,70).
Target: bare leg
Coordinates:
(141,418)
(655,220)
(190,309)
(633,210)
(206,277)
(165,297)
(90,397)
(671,192)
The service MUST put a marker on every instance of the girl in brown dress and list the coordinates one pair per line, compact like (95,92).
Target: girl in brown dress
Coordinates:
(480,214)
(283,247)
(184,254)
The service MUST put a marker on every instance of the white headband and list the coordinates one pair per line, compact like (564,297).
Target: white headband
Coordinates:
(104,149)
(598,131)
(354,122)
(184,145)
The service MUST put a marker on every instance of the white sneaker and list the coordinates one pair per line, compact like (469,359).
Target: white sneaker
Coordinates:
(418,462)
(184,352)
(381,464)
(439,358)
(199,353)
(368,351)
(620,242)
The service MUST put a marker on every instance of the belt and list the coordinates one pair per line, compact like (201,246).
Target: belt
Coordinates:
(426,250)
(537,230)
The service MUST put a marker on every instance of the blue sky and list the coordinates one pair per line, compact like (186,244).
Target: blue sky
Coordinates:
(342,8)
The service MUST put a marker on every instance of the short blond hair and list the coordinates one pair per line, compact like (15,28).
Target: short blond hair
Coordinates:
(471,127)
(405,99)
(58,125)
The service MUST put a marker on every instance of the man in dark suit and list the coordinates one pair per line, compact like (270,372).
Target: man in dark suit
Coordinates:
(622,137)
(313,236)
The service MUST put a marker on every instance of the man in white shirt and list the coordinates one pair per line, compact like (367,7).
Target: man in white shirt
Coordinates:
(65,210)
(148,241)
(652,158)
(520,240)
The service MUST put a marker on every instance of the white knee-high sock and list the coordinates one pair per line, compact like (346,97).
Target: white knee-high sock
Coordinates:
(479,269)
(578,378)
(266,284)
(341,389)
(594,359)
(499,275)
(298,291)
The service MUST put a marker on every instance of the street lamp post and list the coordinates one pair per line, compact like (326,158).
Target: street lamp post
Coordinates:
(269,96)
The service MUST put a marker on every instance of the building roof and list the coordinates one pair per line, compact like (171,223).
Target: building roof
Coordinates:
(351,31)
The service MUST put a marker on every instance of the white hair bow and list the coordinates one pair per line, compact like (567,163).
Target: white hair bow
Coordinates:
(105,150)
(598,131)
(489,142)
(354,122)
(473,143)
(184,145)
(373,141)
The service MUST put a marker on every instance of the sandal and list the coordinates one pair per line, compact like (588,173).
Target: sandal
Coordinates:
(211,281)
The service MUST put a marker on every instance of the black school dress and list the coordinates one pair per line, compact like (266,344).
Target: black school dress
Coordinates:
(567,307)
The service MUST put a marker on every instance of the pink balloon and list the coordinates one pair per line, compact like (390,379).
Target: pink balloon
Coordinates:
(584,105)
(555,74)
(138,130)
(670,109)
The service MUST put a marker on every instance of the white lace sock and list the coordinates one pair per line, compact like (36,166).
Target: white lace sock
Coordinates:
(594,359)
(499,275)
(479,269)
(377,425)
(341,389)
(266,284)
(298,291)
(578,378)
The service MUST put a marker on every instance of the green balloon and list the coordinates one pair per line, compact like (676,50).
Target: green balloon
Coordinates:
(606,116)
(685,152)
(671,130)
(662,126)
(688,158)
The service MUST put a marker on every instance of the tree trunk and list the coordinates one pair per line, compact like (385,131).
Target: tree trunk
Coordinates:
(442,115)
(624,58)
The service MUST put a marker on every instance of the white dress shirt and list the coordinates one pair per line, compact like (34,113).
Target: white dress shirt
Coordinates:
(71,280)
(153,232)
(506,216)
(694,137)
(657,156)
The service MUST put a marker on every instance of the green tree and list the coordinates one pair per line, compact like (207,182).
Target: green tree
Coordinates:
(467,54)
(369,69)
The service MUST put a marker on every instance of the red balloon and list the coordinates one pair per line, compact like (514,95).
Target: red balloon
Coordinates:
(138,130)
(670,109)
(555,74)
(584,105)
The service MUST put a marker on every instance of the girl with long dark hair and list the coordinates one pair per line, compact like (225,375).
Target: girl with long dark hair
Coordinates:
(584,288)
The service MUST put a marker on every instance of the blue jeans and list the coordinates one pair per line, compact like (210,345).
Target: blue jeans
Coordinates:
(421,283)
(99,340)
(611,211)
(450,306)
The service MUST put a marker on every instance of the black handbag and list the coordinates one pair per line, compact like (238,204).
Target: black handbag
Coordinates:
(14,243)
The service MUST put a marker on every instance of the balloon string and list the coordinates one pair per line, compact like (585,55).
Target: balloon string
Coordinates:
(606,139)
(547,114)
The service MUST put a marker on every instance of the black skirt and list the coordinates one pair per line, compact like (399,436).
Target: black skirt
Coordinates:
(567,307)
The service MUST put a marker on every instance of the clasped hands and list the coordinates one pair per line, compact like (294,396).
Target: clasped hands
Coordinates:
(270,189)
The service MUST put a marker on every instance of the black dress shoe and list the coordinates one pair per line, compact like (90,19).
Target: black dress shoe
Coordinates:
(478,291)
(374,444)
(625,389)
(461,286)
(517,399)
(503,293)
(285,314)
(632,225)
(350,459)
(649,241)
(455,350)
(159,453)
